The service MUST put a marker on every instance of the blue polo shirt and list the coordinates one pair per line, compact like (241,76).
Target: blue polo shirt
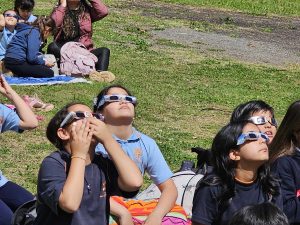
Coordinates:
(9,120)
(144,151)
(5,38)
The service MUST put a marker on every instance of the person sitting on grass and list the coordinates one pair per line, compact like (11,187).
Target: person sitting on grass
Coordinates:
(24,10)
(23,57)
(8,23)
(240,177)
(11,194)
(74,184)
(74,22)
(117,105)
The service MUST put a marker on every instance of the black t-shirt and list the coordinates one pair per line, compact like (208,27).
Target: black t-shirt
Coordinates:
(99,178)
(206,206)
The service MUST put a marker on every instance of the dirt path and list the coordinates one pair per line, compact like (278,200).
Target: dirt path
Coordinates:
(272,41)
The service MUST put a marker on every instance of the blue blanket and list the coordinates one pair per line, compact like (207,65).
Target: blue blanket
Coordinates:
(61,79)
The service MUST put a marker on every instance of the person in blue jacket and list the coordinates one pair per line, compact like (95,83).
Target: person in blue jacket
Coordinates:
(22,54)
(241,175)
(285,155)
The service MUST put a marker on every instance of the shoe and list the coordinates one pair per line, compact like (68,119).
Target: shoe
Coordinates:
(187,165)
(102,76)
(36,103)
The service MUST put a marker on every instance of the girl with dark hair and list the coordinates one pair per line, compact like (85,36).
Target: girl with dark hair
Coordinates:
(24,10)
(259,113)
(22,56)
(73,22)
(74,184)
(285,153)
(117,105)
(240,177)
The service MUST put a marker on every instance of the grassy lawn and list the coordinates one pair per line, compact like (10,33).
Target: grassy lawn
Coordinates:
(184,97)
(260,7)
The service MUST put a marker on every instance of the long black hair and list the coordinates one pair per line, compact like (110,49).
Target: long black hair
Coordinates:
(224,168)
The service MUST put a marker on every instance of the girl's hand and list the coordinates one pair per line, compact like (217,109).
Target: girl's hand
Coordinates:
(81,136)
(63,3)
(101,132)
(5,88)
(126,219)
(49,63)
(2,22)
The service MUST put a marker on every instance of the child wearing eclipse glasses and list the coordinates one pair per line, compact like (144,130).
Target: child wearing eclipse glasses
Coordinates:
(257,112)
(117,105)
(285,155)
(240,176)
(8,23)
(74,184)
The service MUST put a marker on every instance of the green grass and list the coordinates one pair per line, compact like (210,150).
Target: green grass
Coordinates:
(259,7)
(184,97)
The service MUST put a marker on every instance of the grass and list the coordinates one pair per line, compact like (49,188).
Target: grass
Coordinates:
(184,97)
(258,7)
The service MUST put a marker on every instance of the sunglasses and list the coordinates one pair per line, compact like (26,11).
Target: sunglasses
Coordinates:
(116,98)
(259,120)
(10,15)
(251,136)
(79,115)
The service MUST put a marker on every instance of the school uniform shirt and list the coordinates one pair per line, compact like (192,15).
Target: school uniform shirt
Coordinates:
(9,120)
(30,19)
(5,38)
(287,169)
(144,151)
(206,209)
(94,206)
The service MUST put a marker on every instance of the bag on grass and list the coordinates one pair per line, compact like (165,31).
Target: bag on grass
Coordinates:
(76,60)
(25,214)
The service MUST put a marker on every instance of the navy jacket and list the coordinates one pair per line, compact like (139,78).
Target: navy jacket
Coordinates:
(288,170)
(25,45)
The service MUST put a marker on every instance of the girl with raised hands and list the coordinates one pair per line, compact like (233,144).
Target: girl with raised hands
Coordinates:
(285,155)
(240,176)
(117,105)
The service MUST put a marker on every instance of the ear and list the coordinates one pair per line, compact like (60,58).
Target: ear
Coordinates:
(234,155)
(63,134)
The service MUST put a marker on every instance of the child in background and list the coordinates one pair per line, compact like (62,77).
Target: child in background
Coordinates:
(258,112)
(261,214)
(240,176)
(118,108)
(8,22)
(24,10)
(22,54)
(11,194)
(74,184)
(285,151)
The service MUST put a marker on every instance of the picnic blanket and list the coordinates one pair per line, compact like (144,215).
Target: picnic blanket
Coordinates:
(140,209)
(61,79)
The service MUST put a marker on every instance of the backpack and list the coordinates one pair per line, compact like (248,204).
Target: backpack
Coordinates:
(185,181)
(76,60)
(25,214)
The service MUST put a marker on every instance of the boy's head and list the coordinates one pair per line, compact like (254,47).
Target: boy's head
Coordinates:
(11,18)
(24,8)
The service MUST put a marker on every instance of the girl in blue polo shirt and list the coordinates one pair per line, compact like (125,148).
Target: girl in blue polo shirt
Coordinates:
(117,105)
(240,177)
(285,151)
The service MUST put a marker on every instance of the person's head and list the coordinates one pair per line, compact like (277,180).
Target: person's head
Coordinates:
(59,128)
(236,145)
(288,133)
(45,25)
(11,18)
(116,104)
(24,8)
(259,113)
(73,4)
(261,214)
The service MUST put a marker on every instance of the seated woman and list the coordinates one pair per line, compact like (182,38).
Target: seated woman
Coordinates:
(73,22)
(22,54)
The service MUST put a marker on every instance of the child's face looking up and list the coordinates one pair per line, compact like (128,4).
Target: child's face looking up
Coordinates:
(10,17)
